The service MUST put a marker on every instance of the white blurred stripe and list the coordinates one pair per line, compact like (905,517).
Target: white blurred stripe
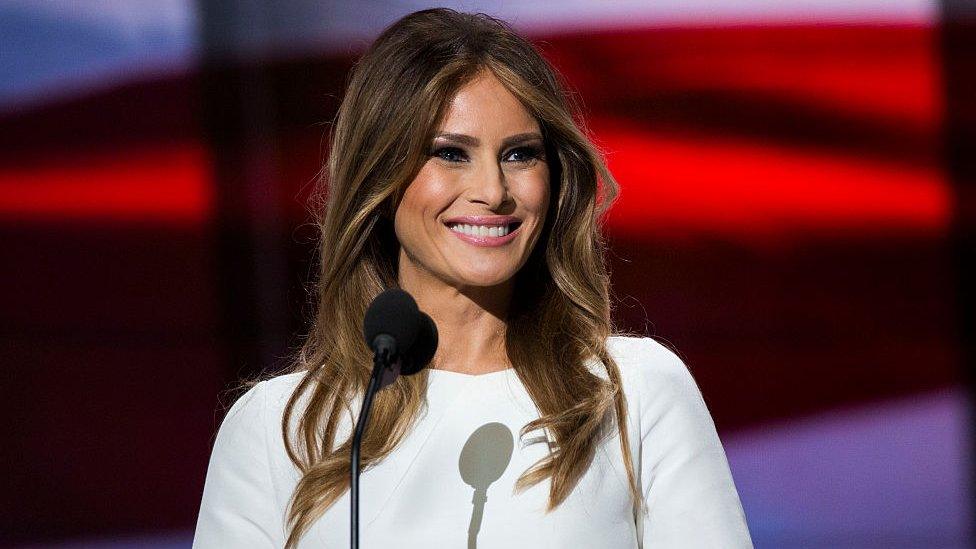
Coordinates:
(129,19)
(625,13)
(347,25)
(54,49)
(57,48)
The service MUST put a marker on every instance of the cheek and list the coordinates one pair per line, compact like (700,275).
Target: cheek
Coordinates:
(426,196)
(534,191)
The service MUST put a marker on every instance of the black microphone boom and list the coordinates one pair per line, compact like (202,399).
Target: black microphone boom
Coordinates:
(403,340)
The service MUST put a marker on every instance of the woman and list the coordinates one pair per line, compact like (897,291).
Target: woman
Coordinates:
(457,173)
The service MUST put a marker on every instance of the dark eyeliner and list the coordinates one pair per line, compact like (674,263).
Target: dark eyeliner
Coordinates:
(533,153)
(436,152)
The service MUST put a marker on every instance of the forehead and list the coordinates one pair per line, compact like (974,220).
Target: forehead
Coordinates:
(484,107)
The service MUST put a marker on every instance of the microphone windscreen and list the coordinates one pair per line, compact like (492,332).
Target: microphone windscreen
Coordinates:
(394,312)
(423,349)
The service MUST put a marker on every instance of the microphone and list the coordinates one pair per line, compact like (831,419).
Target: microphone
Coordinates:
(403,340)
(392,322)
(423,348)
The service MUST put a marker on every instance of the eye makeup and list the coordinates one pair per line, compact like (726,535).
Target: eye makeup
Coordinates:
(454,154)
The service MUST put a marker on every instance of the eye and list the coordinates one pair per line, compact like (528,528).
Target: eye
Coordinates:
(450,154)
(524,155)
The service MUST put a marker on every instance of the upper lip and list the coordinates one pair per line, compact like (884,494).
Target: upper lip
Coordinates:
(488,220)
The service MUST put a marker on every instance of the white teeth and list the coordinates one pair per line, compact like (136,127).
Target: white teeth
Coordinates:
(480,230)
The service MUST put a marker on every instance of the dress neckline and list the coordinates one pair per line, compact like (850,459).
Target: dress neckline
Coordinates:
(446,382)
(448,373)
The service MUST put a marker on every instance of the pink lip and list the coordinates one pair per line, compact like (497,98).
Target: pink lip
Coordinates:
(485,241)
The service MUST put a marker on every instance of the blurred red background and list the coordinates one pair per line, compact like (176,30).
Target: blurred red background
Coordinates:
(796,220)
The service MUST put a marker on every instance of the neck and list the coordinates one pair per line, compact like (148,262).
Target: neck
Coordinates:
(470,321)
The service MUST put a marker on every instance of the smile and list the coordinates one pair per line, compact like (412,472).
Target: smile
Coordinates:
(485,235)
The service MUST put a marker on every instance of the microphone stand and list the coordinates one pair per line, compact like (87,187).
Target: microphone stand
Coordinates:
(381,360)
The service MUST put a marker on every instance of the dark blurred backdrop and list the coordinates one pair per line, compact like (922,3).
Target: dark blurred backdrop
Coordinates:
(797,220)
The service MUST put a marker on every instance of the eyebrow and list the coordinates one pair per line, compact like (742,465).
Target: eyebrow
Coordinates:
(472,141)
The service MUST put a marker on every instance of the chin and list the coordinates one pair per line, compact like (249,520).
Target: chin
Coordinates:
(484,280)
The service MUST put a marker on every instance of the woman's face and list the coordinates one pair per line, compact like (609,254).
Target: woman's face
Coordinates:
(476,208)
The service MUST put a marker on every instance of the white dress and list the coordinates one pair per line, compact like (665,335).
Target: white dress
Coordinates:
(450,482)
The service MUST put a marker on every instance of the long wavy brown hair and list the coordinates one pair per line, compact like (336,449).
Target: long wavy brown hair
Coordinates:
(560,316)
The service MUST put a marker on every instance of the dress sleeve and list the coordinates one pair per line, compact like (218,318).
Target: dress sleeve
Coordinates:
(238,505)
(691,498)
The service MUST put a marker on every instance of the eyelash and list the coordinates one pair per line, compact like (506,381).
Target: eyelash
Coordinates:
(533,153)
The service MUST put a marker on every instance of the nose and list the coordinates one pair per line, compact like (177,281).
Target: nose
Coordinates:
(489,187)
